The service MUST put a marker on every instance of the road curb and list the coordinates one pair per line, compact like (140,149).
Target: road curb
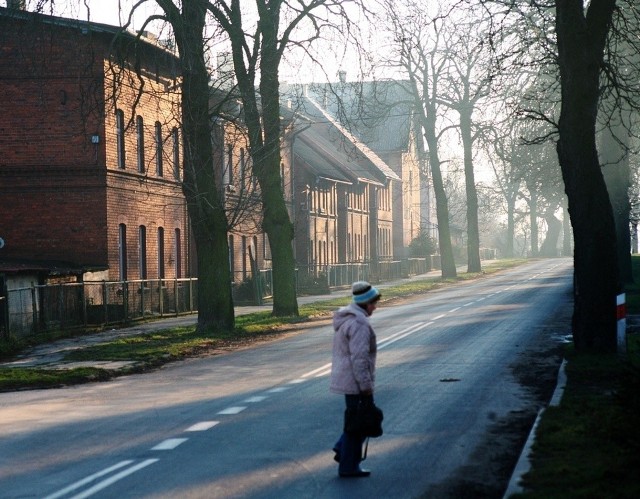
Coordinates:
(524,462)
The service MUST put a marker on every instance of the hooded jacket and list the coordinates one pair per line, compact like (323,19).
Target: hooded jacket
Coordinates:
(354,351)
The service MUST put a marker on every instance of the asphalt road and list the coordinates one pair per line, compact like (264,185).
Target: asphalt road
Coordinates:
(260,422)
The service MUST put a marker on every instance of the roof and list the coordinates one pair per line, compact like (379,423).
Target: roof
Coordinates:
(318,162)
(331,151)
(83,26)
(361,147)
(379,113)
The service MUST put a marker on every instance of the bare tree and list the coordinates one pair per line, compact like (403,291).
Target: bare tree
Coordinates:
(257,50)
(416,35)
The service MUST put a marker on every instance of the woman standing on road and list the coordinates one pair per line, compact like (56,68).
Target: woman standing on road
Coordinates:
(353,368)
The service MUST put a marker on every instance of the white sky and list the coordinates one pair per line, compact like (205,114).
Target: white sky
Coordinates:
(112,12)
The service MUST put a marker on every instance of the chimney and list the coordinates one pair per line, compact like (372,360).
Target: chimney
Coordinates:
(226,73)
(16,4)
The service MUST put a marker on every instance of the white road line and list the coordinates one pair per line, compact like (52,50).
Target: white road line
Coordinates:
(315,371)
(170,444)
(233,410)
(203,426)
(400,335)
(88,479)
(454,310)
(439,317)
(296,381)
(253,400)
(467,304)
(110,481)
(278,389)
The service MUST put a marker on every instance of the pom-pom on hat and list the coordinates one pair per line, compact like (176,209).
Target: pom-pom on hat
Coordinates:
(363,292)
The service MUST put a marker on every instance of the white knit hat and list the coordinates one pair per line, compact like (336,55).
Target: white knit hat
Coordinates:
(363,292)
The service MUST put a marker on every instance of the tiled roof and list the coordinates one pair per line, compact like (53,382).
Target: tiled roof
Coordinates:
(377,112)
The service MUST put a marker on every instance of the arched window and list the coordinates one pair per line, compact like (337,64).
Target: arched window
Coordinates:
(120,138)
(140,136)
(176,153)
(122,251)
(142,251)
(161,269)
(158,137)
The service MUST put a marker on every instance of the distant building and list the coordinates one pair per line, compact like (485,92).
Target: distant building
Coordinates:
(380,115)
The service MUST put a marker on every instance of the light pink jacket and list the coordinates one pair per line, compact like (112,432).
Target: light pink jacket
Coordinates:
(354,351)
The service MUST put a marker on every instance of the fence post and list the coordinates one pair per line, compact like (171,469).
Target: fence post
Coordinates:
(125,301)
(105,298)
(34,309)
(160,298)
(175,295)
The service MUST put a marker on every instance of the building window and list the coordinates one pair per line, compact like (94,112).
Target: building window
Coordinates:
(176,153)
(178,251)
(122,251)
(229,169)
(158,134)
(140,135)
(243,172)
(142,251)
(231,259)
(120,138)
(161,270)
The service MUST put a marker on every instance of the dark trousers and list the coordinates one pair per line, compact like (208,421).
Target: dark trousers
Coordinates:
(349,445)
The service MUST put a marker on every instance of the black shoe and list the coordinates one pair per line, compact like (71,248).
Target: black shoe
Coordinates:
(359,473)
(336,458)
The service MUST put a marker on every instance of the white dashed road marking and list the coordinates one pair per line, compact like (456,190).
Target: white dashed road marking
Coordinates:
(170,444)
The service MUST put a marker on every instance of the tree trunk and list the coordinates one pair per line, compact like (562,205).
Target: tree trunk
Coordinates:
(549,247)
(204,204)
(615,158)
(511,230)
(447,263)
(533,220)
(580,49)
(473,230)
(276,222)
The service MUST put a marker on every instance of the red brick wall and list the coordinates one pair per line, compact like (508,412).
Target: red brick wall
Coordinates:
(61,196)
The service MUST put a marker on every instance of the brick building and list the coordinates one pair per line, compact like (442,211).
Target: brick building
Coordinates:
(89,166)
(380,115)
(342,189)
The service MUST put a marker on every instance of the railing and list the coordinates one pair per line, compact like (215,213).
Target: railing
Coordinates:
(96,303)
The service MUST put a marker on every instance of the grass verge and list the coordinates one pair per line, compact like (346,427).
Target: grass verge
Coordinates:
(150,350)
(589,445)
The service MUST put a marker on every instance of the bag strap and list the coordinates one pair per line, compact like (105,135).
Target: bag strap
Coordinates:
(366,447)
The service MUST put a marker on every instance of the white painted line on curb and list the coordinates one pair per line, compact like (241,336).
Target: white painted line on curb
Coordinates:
(170,444)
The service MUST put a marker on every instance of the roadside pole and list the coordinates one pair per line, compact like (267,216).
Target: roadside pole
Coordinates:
(621,315)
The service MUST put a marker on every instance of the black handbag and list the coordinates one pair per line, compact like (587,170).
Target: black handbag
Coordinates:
(365,419)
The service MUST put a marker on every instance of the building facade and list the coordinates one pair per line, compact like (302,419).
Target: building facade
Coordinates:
(90,168)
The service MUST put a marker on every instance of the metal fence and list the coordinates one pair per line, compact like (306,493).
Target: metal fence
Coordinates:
(96,303)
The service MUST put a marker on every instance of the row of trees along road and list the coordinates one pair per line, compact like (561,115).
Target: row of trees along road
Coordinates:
(468,67)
